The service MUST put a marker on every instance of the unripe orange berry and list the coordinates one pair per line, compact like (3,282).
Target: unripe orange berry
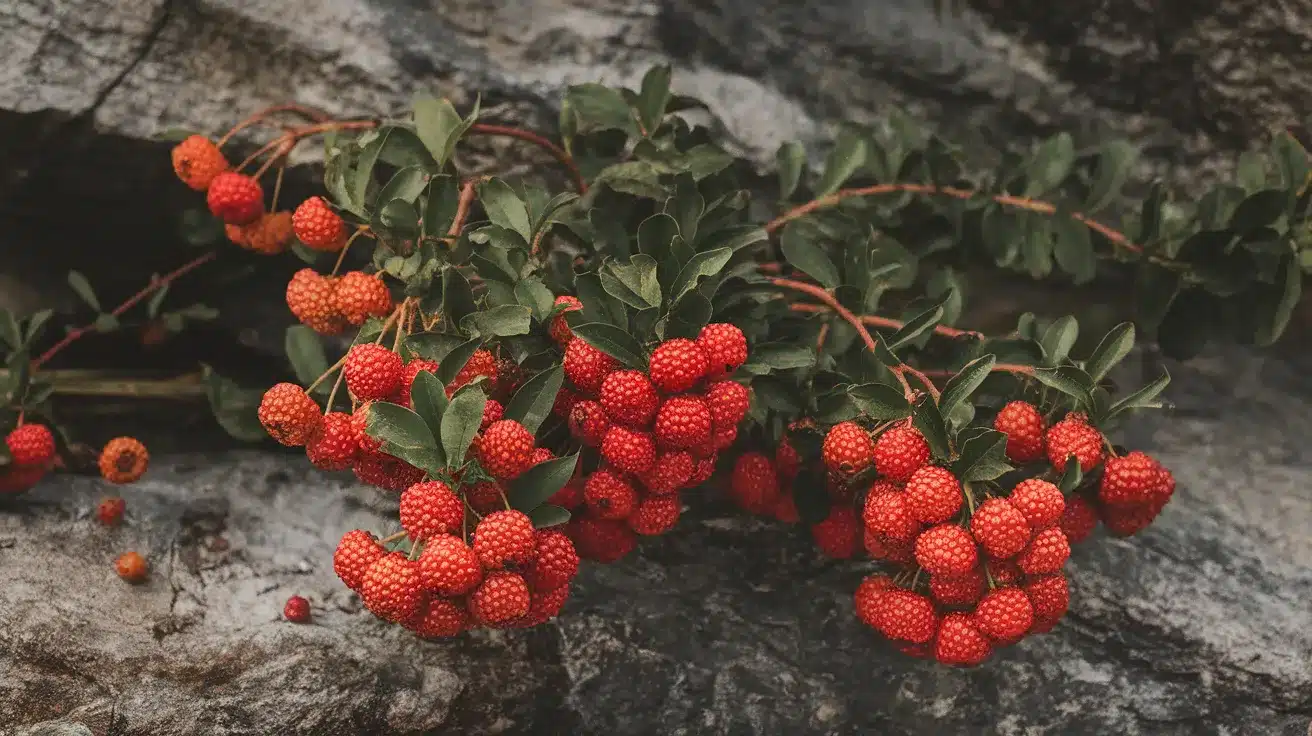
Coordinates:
(123,460)
(359,296)
(197,161)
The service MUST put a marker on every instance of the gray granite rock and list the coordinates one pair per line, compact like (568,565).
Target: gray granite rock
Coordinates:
(1201,625)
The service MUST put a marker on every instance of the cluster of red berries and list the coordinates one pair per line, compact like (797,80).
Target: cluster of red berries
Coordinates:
(328,304)
(234,198)
(657,431)
(509,575)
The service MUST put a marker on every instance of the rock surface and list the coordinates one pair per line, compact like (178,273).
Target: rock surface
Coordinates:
(1198,626)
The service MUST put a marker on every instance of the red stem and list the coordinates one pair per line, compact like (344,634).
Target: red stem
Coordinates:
(559,153)
(884,322)
(131,302)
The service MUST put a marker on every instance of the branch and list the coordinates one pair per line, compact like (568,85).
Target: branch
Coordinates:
(885,322)
(559,153)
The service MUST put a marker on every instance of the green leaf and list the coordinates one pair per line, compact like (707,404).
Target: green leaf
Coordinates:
(1067,379)
(456,358)
(1292,159)
(9,331)
(638,178)
(705,263)
(460,422)
(406,185)
(1112,350)
(613,341)
(781,356)
(235,408)
(844,159)
(1059,338)
(633,283)
(548,515)
(1115,160)
(432,346)
(397,218)
(532,403)
(83,289)
(918,325)
(983,457)
(1073,249)
(535,295)
(306,354)
(105,323)
(457,296)
(1157,288)
(597,107)
(1276,317)
(1144,398)
(1050,165)
(199,228)
(880,401)
(439,126)
(654,96)
(790,162)
(540,482)
(441,205)
(1070,480)
(806,255)
(37,323)
(1259,210)
(505,208)
(404,435)
(156,299)
(1037,246)
(963,384)
(428,397)
(502,321)
(929,421)
(688,316)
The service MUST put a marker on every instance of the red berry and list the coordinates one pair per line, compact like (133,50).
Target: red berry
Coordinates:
(839,535)
(725,347)
(543,606)
(704,470)
(1046,553)
(541,455)
(672,471)
(629,451)
(899,452)
(372,372)
(386,472)
(288,414)
(1040,502)
(1023,425)
(888,514)
(310,299)
(15,479)
(486,497)
(430,508)
(933,494)
(754,484)
(504,539)
(785,509)
(1005,615)
(723,438)
(296,610)
(787,459)
(555,561)
(482,364)
(559,329)
(683,423)
(1129,480)
(110,511)
(1050,595)
(946,549)
(588,422)
(237,199)
(564,403)
(570,496)
(196,161)
(900,553)
(1126,521)
(336,444)
(359,296)
(441,618)
(33,445)
(357,550)
(123,460)
(609,496)
(448,566)
(506,449)
(1074,436)
(1000,528)
(629,398)
(867,596)
(902,615)
(132,567)
(391,588)
(586,367)
(958,590)
(1078,520)
(493,412)
(409,373)
(677,365)
(848,449)
(501,598)
(602,540)
(656,515)
(960,643)
(728,402)
(316,225)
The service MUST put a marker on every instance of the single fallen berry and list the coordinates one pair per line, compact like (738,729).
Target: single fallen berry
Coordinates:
(1004,615)
(555,561)
(335,445)
(933,494)
(656,515)
(586,367)
(588,422)
(866,598)
(430,508)
(1074,436)
(1000,528)
(110,511)
(848,449)
(310,299)
(725,348)
(196,161)
(1040,502)
(289,415)
(683,423)
(1024,426)
(132,567)
(629,451)
(754,483)
(728,402)
(391,588)
(1078,520)
(482,364)
(506,449)
(372,372)
(31,446)
(609,495)
(504,539)
(629,398)
(1046,553)
(441,618)
(905,616)
(946,549)
(958,590)
(237,199)
(559,327)
(960,643)
(899,452)
(501,598)
(356,552)
(677,365)
(296,610)
(123,460)
(316,225)
(448,566)
(357,296)
(838,536)
(601,540)
(1129,480)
